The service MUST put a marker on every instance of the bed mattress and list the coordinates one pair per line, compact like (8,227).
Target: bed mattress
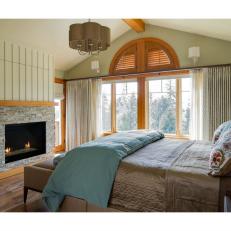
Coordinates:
(167,175)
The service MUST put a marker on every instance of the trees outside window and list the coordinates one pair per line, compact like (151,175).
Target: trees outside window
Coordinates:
(106,107)
(126,106)
(170,105)
(162,105)
(167,103)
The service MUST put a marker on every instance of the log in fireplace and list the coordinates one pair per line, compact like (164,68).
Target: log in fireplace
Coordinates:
(24,140)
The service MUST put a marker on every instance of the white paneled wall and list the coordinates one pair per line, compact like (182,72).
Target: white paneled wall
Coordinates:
(25,74)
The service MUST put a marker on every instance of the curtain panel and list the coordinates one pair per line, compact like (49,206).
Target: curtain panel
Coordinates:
(83,111)
(211,100)
(196,126)
(217,98)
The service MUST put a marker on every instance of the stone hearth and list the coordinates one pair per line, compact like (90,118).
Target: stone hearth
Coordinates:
(14,115)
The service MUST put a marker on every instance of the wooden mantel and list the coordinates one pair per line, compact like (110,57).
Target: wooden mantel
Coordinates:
(9,103)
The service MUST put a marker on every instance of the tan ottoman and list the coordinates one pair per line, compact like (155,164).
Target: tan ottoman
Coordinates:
(36,176)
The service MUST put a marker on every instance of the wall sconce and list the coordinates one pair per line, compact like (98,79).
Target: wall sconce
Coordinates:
(194,53)
(95,66)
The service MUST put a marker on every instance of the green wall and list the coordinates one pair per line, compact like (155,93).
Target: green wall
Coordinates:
(213,51)
(59,74)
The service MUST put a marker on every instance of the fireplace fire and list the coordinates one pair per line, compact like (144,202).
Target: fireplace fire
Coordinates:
(24,140)
(26,149)
(8,150)
(27,145)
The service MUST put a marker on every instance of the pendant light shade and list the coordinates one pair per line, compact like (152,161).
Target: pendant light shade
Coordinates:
(89,37)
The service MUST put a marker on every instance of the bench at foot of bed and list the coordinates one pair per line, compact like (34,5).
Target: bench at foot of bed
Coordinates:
(36,177)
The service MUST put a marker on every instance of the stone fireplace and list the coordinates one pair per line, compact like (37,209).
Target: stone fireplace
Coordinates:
(24,140)
(26,135)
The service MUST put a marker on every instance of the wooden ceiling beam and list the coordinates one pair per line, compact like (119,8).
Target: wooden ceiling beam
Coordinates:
(137,25)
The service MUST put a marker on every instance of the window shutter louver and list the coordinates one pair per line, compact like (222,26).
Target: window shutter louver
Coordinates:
(157,58)
(126,61)
(143,55)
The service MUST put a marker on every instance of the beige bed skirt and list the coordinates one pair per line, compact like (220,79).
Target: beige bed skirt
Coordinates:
(73,204)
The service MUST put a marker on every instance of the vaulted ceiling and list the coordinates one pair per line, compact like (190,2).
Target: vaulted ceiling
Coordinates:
(51,35)
(216,28)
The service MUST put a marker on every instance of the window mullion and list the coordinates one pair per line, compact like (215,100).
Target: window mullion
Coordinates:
(141,103)
(113,107)
(146,104)
(178,107)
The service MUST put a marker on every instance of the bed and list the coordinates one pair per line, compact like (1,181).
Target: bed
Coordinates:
(165,176)
(174,178)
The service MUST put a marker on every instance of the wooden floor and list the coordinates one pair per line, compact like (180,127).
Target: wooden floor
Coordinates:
(11,196)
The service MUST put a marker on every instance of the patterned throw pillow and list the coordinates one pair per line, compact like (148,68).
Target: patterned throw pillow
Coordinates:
(222,128)
(220,156)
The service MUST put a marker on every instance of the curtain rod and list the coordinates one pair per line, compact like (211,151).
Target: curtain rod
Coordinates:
(150,72)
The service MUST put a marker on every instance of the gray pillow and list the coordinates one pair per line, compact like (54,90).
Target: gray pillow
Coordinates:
(221,129)
(220,156)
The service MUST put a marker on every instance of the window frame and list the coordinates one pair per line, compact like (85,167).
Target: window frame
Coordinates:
(124,81)
(178,79)
(141,48)
(142,99)
(61,147)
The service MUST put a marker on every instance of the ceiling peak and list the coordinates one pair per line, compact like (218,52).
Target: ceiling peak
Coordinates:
(137,25)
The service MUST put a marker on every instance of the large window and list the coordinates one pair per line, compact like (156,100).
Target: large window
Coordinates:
(119,106)
(147,99)
(169,105)
(166,103)
(162,105)
(106,107)
(126,106)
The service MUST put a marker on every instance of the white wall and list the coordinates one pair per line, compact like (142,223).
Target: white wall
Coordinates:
(25,74)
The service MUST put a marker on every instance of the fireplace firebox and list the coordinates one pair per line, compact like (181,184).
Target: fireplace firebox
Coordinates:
(24,140)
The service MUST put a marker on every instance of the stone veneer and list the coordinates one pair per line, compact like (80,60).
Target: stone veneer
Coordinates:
(13,115)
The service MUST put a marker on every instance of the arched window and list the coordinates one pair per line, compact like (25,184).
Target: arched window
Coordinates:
(146,54)
(145,99)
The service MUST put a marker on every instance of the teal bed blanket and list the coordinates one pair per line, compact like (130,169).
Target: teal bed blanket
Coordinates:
(88,171)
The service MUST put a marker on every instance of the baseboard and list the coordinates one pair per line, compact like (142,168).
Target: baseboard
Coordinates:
(11,172)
